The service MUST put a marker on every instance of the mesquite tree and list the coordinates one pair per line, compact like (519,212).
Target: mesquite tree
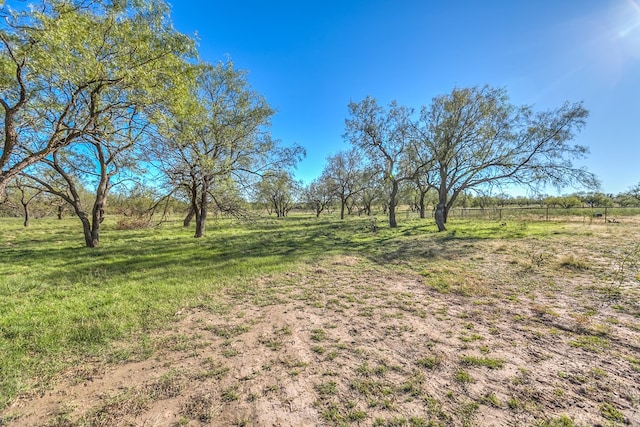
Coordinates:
(58,55)
(476,137)
(75,76)
(217,139)
(387,138)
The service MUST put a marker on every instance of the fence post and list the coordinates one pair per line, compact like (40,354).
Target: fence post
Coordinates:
(547,213)
(605,214)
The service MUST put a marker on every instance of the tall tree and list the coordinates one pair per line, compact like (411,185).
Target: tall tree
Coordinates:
(387,139)
(634,192)
(220,135)
(278,192)
(60,56)
(477,137)
(83,87)
(25,195)
(93,163)
(319,195)
(344,174)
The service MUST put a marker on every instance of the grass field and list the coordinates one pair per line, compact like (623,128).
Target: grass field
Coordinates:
(306,321)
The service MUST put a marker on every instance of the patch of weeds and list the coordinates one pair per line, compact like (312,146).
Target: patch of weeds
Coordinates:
(609,412)
(213,369)
(318,334)
(229,394)
(331,355)
(467,412)
(270,389)
(366,311)
(198,408)
(482,361)
(430,362)
(356,416)
(229,352)
(370,388)
(590,343)
(327,389)
(331,413)
(228,331)
(167,386)
(462,376)
(413,385)
(435,410)
(130,402)
(387,404)
(598,373)
(380,370)
(61,418)
(396,422)
(542,310)
(364,369)
(470,338)
(514,403)
(490,399)
(523,377)
(285,330)
(561,421)
(635,363)
(181,343)
(318,349)
(241,422)
(574,263)
(274,343)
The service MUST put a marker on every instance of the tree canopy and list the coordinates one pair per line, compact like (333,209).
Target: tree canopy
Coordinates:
(476,137)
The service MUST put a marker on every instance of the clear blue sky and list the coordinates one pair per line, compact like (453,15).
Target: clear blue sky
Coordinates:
(309,58)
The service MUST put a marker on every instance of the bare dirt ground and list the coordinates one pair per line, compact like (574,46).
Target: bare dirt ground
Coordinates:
(453,332)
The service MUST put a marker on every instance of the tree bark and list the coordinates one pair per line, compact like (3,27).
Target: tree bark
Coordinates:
(86,228)
(421,205)
(392,205)
(201,212)
(189,217)
(441,215)
(25,208)
(97,214)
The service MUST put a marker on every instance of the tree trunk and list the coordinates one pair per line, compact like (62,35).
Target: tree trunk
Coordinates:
(201,218)
(96,218)
(441,215)
(392,205)
(25,208)
(189,217)
(86,229)
(421,205)
(60,211)
(201,222)
(343,203)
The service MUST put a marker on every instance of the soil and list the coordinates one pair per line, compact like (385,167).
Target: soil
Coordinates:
(443,332)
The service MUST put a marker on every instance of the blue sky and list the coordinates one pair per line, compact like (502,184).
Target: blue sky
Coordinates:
(310,58)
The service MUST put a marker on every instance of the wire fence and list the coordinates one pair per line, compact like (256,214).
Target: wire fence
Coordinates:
(533,213)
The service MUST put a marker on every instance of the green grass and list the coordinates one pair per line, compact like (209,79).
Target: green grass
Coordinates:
(60,301)
(488,362)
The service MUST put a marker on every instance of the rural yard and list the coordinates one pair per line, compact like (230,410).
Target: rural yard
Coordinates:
(489,325)
(319,214)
